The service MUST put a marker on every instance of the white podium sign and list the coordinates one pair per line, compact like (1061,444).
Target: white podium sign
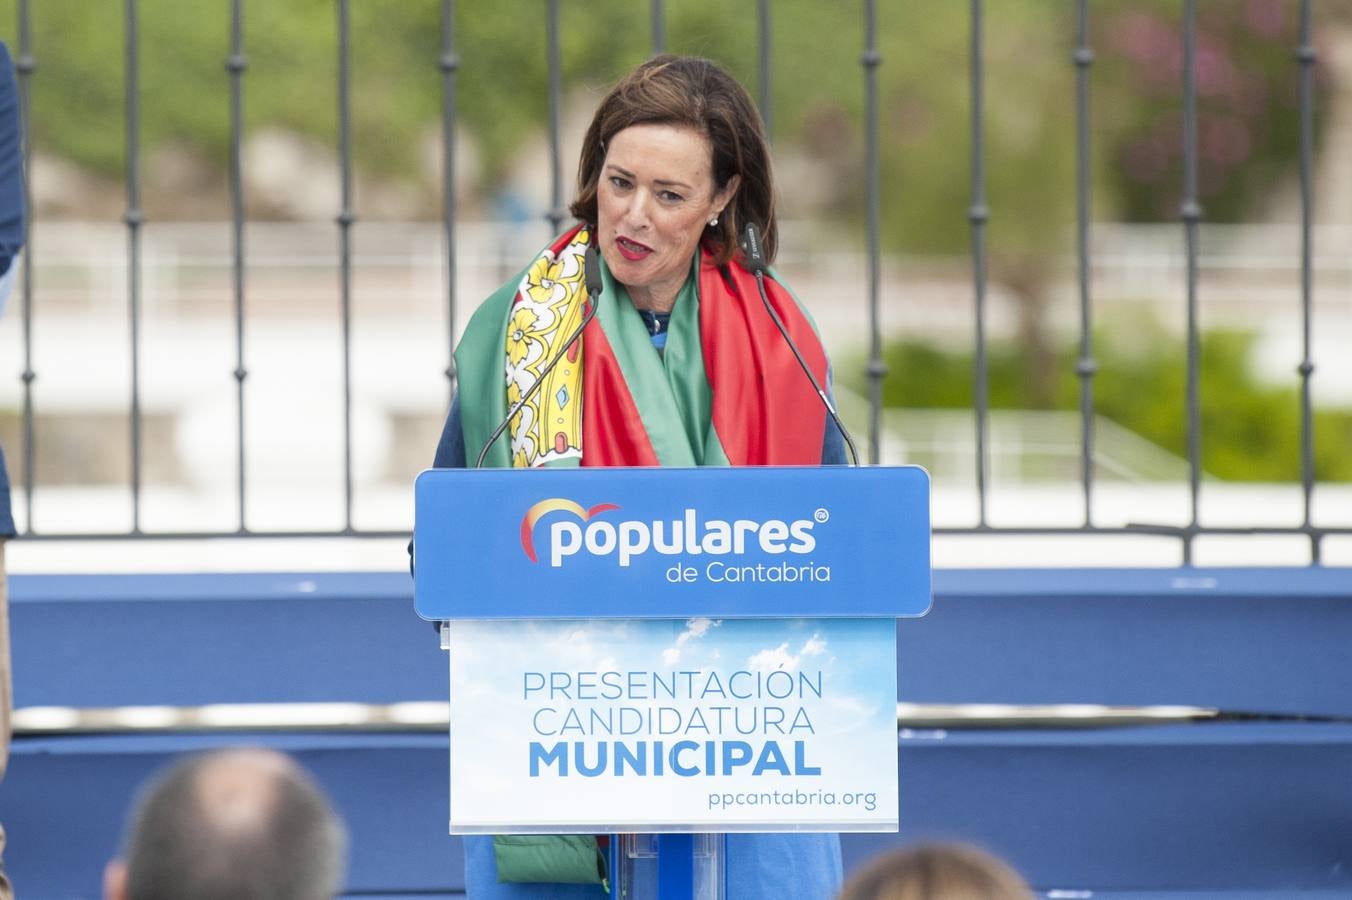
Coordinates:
(656,725)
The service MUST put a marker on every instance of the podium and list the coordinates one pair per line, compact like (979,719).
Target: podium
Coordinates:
(671,655)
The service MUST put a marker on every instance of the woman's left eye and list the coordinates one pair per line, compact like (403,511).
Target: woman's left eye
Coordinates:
(671,197)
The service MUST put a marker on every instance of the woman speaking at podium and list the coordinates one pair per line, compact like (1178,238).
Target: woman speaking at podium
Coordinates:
(667,355)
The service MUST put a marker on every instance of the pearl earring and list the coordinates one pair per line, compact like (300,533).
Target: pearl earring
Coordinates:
(713,222)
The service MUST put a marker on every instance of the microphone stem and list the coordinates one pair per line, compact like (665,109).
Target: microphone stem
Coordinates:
(821,392)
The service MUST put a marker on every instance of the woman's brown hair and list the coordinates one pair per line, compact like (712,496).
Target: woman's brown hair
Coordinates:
(686,90)
(936,872)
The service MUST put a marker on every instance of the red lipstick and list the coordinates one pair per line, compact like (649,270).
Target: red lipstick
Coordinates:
(631,249)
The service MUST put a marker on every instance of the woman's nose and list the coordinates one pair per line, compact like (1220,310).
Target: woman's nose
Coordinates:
(637,214)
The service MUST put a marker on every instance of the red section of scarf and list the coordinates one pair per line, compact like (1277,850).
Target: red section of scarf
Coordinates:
(764,409)
(612,430)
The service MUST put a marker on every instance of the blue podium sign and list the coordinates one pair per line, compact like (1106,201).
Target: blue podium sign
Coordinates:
(672,543)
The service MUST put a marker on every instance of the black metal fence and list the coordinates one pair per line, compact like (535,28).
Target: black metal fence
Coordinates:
(979,214)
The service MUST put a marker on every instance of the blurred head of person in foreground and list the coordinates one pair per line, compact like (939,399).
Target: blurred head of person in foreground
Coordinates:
(936,872)
(248,824)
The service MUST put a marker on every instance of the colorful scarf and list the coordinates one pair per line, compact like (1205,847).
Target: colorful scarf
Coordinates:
(725,391)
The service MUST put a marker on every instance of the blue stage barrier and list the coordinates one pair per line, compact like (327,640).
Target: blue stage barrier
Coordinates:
(1248,807)
(1243,640)
(1251,640)
(91,640)
(1233,810)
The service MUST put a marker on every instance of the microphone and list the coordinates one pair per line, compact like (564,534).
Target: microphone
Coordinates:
(755,256)
(591,275)
(755,263)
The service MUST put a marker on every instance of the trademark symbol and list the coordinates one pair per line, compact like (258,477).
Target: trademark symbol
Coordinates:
(821,515)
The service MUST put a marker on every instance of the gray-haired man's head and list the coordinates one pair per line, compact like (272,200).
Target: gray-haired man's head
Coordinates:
(246,824)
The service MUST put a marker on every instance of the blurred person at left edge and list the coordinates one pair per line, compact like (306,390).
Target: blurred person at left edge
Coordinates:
(11,240)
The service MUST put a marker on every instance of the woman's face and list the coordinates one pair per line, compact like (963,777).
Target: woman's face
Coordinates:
(655,196)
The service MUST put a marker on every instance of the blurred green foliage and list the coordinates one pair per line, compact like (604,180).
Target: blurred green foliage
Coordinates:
(1250,431)
(817,80)
(1247,139)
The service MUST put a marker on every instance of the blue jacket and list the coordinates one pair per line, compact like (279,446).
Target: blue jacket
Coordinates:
(11,220)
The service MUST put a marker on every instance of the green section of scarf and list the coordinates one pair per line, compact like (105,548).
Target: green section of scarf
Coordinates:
(481,379)
(670,389)
(549,858)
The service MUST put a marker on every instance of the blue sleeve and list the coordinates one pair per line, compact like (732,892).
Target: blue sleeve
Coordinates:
(11,223)
(833,442)
(451,447)
(450,452)
(11,165)
(7,529)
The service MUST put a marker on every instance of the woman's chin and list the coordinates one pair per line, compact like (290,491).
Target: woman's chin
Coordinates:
(631,274)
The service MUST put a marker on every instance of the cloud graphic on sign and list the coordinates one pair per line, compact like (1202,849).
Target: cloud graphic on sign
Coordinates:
(771,660)
(584,644)
(695,628)
(853,713)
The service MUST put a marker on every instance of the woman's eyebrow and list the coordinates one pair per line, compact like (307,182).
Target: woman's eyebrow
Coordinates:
(664,182)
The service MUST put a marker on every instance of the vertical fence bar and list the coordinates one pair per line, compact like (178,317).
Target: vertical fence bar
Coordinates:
(764,84)
(345,221)
(25,66)
(556,213)
(1191,214)
(1305,57)
(134,219)
(235,64)
(659,26)
(978,215)
(449,64)
(1085,367)
(877,369)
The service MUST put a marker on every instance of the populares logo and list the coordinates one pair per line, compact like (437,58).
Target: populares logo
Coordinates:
(554,504)
(580,531)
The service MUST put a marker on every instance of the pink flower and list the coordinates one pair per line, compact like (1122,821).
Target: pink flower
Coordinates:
(1265,18)
(1226,141)
(1142,39)
(1143,161)
(1215,73)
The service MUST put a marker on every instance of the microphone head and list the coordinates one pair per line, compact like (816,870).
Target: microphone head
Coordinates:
(591,271)
(751,247)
